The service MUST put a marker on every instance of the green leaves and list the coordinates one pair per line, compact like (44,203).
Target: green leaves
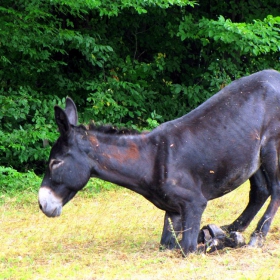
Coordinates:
(127,62)
(247,38)
(25,121)
(12,182)
(116,102)
(226,50)
(254,38)
(114,8)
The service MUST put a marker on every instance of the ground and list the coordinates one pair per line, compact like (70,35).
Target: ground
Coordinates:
(115,235)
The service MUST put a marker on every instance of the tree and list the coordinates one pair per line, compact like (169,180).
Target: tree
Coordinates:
(128,62)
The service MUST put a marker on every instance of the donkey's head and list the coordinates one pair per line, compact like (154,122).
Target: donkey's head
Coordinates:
(67,171)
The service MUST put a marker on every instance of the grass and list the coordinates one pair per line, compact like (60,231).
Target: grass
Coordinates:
(115,235)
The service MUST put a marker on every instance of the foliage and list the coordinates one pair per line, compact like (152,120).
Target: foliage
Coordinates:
(109,8)
(128,62)
(13,182)
(26,126)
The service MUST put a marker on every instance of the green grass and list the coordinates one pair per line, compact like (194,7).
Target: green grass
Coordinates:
(115,235)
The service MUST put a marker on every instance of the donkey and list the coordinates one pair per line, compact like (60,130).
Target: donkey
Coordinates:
(183,163)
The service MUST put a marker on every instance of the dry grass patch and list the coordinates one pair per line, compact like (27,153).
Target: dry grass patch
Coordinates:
(115,235)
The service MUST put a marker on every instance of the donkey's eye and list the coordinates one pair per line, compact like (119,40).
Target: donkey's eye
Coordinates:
(55,163)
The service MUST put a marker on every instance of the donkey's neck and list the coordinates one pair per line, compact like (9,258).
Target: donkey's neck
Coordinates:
(121,159)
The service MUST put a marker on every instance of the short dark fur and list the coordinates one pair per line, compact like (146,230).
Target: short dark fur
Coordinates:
(182,164)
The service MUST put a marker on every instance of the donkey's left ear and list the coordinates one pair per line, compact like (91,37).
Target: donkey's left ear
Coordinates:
(71,111)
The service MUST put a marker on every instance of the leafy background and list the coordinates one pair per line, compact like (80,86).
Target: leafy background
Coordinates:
(128,62)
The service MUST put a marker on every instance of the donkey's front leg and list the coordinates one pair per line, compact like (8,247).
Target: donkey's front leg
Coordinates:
(191,218)
(171,228)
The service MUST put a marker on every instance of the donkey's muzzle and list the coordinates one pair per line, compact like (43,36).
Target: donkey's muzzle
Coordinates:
(49,203)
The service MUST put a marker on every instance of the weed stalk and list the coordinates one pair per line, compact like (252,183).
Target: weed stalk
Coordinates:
(175,237)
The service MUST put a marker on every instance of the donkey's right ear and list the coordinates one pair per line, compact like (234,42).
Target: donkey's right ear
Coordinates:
(62,121)
(71,111)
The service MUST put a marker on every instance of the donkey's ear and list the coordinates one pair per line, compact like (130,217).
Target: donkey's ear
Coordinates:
(62,121)
(71,111)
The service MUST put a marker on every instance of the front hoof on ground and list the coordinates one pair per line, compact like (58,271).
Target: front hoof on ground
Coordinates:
(207,233)
(238,238)
(214,238)
(214,245)
(235,240)
(216,232)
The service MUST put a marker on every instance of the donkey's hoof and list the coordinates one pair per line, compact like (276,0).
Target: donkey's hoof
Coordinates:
(215,238)
(238,239)
(207,233)
(212,237)
(216,231)
(214,245)
(257,240)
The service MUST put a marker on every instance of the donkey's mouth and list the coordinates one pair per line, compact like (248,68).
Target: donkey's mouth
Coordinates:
(49,212)
(56,212)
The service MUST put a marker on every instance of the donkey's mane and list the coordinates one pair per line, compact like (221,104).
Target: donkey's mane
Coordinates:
(110,129)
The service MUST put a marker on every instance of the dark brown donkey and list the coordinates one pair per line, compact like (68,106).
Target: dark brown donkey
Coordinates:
(180,165)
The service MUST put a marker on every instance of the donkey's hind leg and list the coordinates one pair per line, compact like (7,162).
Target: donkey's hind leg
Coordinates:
(270,161)
(259,193)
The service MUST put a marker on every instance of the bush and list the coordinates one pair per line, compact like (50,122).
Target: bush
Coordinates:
(27,129)
(13,182)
